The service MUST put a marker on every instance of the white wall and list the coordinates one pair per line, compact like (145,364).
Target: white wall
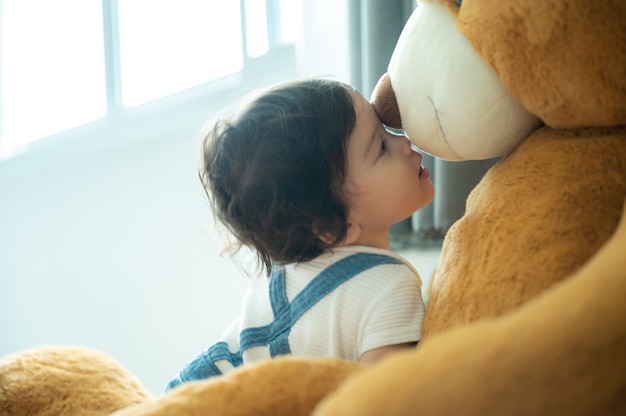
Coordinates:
(107,241)
(114,252)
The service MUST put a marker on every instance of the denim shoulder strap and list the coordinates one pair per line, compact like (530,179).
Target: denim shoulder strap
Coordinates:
(275,335)
(286,314)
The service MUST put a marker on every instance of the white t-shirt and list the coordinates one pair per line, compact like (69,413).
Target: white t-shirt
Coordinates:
(341,304)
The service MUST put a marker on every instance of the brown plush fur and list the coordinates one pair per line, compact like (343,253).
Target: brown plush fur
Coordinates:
(286,386)
(527,312)
(57,380)
(565,61)
(536,217)
(545,209)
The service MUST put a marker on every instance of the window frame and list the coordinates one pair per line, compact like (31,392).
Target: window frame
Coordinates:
(123,126)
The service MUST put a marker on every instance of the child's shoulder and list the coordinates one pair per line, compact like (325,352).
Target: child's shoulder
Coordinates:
(356,259)
(365,252)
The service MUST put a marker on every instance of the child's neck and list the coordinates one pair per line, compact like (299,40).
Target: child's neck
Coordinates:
(380,241)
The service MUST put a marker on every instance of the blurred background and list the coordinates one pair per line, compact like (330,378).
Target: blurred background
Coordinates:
(105,237)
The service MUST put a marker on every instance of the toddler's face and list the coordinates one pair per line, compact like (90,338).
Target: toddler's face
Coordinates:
(385,181)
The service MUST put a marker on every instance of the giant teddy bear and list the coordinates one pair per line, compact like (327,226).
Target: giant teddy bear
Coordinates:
(527,312)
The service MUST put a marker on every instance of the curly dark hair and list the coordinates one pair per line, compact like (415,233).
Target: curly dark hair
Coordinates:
(274,171)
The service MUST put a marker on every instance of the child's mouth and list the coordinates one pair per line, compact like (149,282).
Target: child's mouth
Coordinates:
(424,173)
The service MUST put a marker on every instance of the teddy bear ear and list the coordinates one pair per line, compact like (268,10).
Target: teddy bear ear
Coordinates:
(384,102)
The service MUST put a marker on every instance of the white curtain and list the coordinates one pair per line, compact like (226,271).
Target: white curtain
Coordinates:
(374,29)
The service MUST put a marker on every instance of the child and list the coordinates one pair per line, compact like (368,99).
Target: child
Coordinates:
(307,177)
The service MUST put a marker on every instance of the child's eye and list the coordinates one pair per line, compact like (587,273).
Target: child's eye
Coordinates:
(383,147)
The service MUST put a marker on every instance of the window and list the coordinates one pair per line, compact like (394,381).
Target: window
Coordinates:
(68,63)
(198,41)
(52,69)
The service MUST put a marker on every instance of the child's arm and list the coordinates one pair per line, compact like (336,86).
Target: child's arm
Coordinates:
(372,356)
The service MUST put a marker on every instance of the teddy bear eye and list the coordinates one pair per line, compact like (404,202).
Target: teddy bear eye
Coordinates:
(458,2)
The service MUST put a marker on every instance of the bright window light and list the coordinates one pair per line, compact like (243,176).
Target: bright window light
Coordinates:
(256,28)
(289,25)
(52,55)
(167,46)
(52,70)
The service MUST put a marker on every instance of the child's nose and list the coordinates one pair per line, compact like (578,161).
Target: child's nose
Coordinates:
(404,145)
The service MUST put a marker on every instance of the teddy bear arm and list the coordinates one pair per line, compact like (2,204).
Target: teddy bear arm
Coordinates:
(288,386)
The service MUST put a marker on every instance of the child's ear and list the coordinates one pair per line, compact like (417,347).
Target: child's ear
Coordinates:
(326,237)
(352,235)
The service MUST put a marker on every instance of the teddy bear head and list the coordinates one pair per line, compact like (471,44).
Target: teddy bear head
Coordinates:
(471,80)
